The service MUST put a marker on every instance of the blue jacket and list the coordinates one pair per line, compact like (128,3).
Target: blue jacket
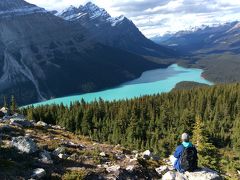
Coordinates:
(177,154)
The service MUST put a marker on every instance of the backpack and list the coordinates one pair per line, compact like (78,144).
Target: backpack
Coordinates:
(189,159)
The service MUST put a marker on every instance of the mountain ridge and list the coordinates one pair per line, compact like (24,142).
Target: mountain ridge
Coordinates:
(119,32)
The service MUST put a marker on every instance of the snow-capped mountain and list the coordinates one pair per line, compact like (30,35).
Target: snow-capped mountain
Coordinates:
(92,11)
(119,32)
(220,37)
(44,56)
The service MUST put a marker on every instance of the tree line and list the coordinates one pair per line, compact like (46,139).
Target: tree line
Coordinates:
(211,115)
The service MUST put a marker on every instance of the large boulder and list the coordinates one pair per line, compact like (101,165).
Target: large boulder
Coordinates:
(201,174)
(20,122)
(42,124)
(24,144)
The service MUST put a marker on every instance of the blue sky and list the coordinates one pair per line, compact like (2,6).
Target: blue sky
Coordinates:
(156,17)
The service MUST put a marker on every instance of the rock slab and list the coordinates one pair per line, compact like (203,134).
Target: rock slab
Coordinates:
(201,174)
(24,144)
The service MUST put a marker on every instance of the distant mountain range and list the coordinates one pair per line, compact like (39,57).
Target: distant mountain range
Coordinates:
(215,49)
(221,38)
(44,56)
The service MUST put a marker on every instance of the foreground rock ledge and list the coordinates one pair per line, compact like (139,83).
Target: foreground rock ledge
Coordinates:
(201,174)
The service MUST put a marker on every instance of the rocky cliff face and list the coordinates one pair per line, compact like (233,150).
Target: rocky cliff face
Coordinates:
(38,150)
(119,32)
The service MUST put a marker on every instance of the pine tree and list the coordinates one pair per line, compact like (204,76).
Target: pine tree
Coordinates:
(236,136)
(30,114)
(5,102)
(13,104)
(207,152)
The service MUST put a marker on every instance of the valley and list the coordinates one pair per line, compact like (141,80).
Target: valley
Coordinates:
(85,93)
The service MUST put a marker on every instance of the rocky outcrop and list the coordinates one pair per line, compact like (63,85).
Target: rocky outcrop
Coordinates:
(20,122)
(58,151)
(201,174)
(24,144)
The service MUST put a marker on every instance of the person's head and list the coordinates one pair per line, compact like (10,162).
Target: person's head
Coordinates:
(185,137)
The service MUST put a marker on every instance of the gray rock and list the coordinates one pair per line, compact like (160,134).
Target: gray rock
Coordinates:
(4,110)
(73,145)
(62,156)
(38,173)
(147,154)
(201,174)
(45,157)
(41,123)
(170,175)
(57,127)
(20,122)
(24,144)
(60,150)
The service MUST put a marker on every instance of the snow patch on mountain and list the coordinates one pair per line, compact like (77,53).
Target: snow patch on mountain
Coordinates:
(92,11)
(236,27)
(117,20)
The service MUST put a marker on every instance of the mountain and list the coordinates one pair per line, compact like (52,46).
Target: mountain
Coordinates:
(119,32)
(44,56)
(225,37)
(215,49)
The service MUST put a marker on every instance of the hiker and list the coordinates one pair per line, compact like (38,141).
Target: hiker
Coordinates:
(185,157)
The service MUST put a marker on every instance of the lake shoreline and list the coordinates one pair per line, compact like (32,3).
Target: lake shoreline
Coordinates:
(151,82)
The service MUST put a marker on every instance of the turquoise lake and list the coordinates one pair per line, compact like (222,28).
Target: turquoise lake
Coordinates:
(151,82)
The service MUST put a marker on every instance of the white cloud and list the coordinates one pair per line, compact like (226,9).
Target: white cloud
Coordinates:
(154,17)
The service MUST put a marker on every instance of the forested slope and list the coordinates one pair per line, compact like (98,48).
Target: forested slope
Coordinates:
(212,113)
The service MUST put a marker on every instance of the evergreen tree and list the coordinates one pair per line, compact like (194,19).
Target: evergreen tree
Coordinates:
(13,104)
(207,152)
(5,104)
(236,136)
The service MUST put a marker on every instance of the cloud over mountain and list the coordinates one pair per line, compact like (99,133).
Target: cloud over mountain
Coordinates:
(160,16)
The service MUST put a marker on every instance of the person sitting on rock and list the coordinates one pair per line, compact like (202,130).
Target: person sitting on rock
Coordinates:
(185,157)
